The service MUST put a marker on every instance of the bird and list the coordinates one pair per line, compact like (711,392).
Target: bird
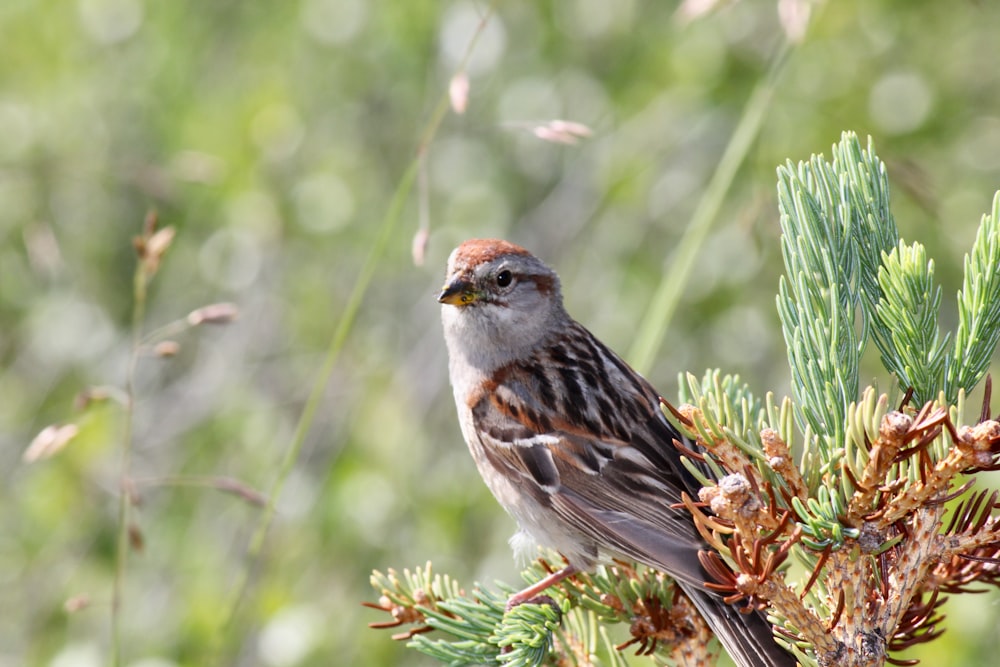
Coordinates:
(571,440)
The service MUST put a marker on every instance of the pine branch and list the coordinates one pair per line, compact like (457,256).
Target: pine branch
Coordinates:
(478,630)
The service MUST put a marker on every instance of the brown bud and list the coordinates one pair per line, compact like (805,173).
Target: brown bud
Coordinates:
(136,539)
(982,434)
(895,425)
(736,488)
(774,446)
(167,348)
(612,601)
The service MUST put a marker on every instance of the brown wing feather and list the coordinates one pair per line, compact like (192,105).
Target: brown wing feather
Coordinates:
(630,445)
(554,448)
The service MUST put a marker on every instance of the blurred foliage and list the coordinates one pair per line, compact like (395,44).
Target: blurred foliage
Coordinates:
(272,137)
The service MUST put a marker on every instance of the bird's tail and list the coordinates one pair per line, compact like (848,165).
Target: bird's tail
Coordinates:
(746,638)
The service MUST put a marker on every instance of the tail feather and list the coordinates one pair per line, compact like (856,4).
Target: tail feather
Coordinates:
(747,638)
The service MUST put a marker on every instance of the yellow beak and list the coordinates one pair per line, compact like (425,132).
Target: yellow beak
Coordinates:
(457,293)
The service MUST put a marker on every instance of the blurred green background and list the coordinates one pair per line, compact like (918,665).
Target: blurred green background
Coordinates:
(273,135)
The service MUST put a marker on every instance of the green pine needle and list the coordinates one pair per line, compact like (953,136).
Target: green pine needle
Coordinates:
(914,349)
(978,309)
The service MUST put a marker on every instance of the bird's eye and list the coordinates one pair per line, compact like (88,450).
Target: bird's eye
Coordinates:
(505,278)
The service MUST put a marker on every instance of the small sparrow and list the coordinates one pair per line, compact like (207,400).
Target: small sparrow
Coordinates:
(571,440)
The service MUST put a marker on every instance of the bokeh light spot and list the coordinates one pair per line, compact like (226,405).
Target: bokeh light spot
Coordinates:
(110,21)
(459,26)
(900,102)
(323,202)
(334,22)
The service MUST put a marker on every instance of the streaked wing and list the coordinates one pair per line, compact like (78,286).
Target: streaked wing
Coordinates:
(557,448)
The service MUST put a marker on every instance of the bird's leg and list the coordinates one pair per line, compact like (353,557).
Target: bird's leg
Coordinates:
(531,592)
